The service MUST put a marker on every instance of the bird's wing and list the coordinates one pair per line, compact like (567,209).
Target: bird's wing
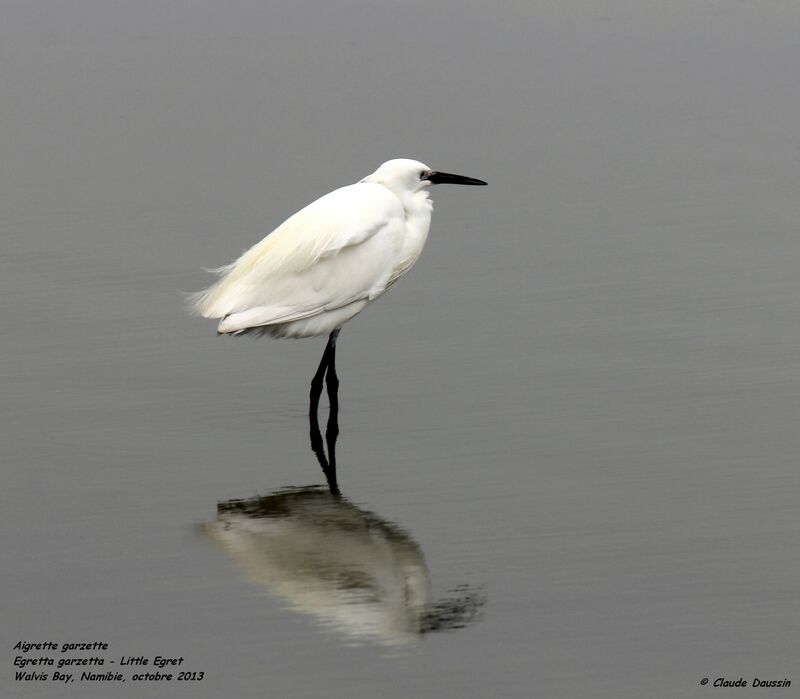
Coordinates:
(337,250)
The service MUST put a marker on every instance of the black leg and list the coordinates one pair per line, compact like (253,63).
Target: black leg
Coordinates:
(332,429)
(319,376)
(327,372)
(328,468)
(331,379)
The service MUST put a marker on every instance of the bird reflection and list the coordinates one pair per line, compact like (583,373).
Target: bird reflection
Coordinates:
(347,567)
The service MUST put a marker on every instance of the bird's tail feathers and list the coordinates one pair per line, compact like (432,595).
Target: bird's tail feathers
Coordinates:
(209,302)
(201,303)
(220,271)
(253,318)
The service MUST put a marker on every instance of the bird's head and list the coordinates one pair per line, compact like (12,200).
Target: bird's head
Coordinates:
(404,175)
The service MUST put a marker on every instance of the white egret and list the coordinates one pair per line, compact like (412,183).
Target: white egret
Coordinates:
(327,262)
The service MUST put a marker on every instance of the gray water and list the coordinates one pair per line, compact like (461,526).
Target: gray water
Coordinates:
(575,421)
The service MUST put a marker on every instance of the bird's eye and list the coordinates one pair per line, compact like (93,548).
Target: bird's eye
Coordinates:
(425,174)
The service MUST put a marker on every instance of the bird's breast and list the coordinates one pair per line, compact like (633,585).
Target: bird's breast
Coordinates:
(417,225)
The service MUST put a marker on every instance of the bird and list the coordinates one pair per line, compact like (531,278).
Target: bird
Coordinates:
(327,262)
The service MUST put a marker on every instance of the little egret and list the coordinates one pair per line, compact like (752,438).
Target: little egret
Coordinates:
(327,262)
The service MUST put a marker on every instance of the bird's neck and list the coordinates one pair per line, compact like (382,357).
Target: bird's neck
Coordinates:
(418,207)
(416,204)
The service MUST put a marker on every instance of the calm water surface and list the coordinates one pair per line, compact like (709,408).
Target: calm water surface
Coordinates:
(569,438)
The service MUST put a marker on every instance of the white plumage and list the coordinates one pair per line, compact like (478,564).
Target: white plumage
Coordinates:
(328,261)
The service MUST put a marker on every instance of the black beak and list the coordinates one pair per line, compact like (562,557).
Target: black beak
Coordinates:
(447,178)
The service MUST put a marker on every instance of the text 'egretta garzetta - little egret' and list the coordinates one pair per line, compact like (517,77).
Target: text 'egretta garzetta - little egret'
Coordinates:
(327,262)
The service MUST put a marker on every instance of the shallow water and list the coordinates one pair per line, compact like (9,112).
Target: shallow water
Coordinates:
(570,434)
